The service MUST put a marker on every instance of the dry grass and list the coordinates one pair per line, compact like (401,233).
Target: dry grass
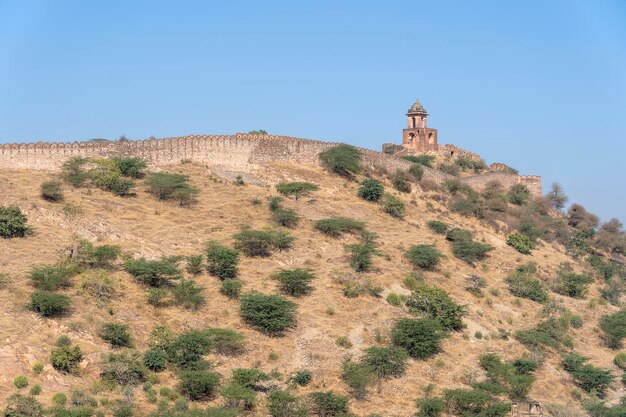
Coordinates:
(143,226)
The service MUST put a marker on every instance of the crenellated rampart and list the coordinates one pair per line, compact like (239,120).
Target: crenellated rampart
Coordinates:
(241,151)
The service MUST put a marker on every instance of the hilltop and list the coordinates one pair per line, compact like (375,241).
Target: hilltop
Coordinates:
(353,303)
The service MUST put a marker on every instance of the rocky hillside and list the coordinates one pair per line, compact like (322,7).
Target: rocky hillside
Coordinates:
(117,301)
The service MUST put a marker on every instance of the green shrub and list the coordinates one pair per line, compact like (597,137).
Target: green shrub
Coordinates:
(52,191)
(38,367)
(262,242)
(451,169)
(274,202)
(116,334)
(49,304)
(153,273)
(285,404)
(125,368)
(620,360)
(518,194)
(199,385)
(525,366)
(425,160)
(194,264)
(130,166)
(465,402)
(226,342)
(19,405)
(269,314)
(614,328)
(302,378)
(576,321)
(328,404)
(294,282)
(250,377)
(59,399)
(64,357)
(96,256)
(437,304)
(221,260)
(586,376)
(552,333)
(361,256)
(358,376)
(157,296)
(123,410)
(189,295)
(231,288)
(424,256)
(336,226)
(239,397)
(35,389)
(386,362)
(416,171)
(395,299)
(187,350)
(167,186)
(393,206)
(155,360)
(20,381)
(438,227)
(285,217)
(459,235)
(296,189)
(524,285)
(606,269)
(342,159)
(420,338)
(573,285)
(12,222)
(400,182)
(371,190)
(470,252)
(99,284)
(52,277)
(520,242)
(429,407)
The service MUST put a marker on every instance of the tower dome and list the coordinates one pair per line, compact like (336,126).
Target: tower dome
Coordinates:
(417,108)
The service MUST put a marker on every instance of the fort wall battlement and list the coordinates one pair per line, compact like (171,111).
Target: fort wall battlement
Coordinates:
(241,151)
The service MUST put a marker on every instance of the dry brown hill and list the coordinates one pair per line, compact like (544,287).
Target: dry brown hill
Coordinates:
(146,227)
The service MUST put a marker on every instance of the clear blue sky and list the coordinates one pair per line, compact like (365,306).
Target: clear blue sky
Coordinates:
(540,85)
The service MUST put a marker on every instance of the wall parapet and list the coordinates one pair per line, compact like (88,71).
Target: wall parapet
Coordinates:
(239,151)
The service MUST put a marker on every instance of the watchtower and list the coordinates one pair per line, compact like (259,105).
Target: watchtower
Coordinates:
(417,138)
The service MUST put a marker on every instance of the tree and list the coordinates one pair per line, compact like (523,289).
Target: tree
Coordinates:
(130,166)
(579,218)
(153,273)
(296,189)
(519,194)
(168,186)
(342,159)
(556,196)
(294,282)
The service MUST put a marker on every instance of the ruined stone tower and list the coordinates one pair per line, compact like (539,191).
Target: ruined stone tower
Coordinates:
(417,138)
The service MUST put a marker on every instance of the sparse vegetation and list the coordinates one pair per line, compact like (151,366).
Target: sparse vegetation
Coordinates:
(116,334)
(425,160)
(522,284)
(438,227)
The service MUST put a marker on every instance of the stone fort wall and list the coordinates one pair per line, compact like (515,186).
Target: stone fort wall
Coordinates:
(241,152)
